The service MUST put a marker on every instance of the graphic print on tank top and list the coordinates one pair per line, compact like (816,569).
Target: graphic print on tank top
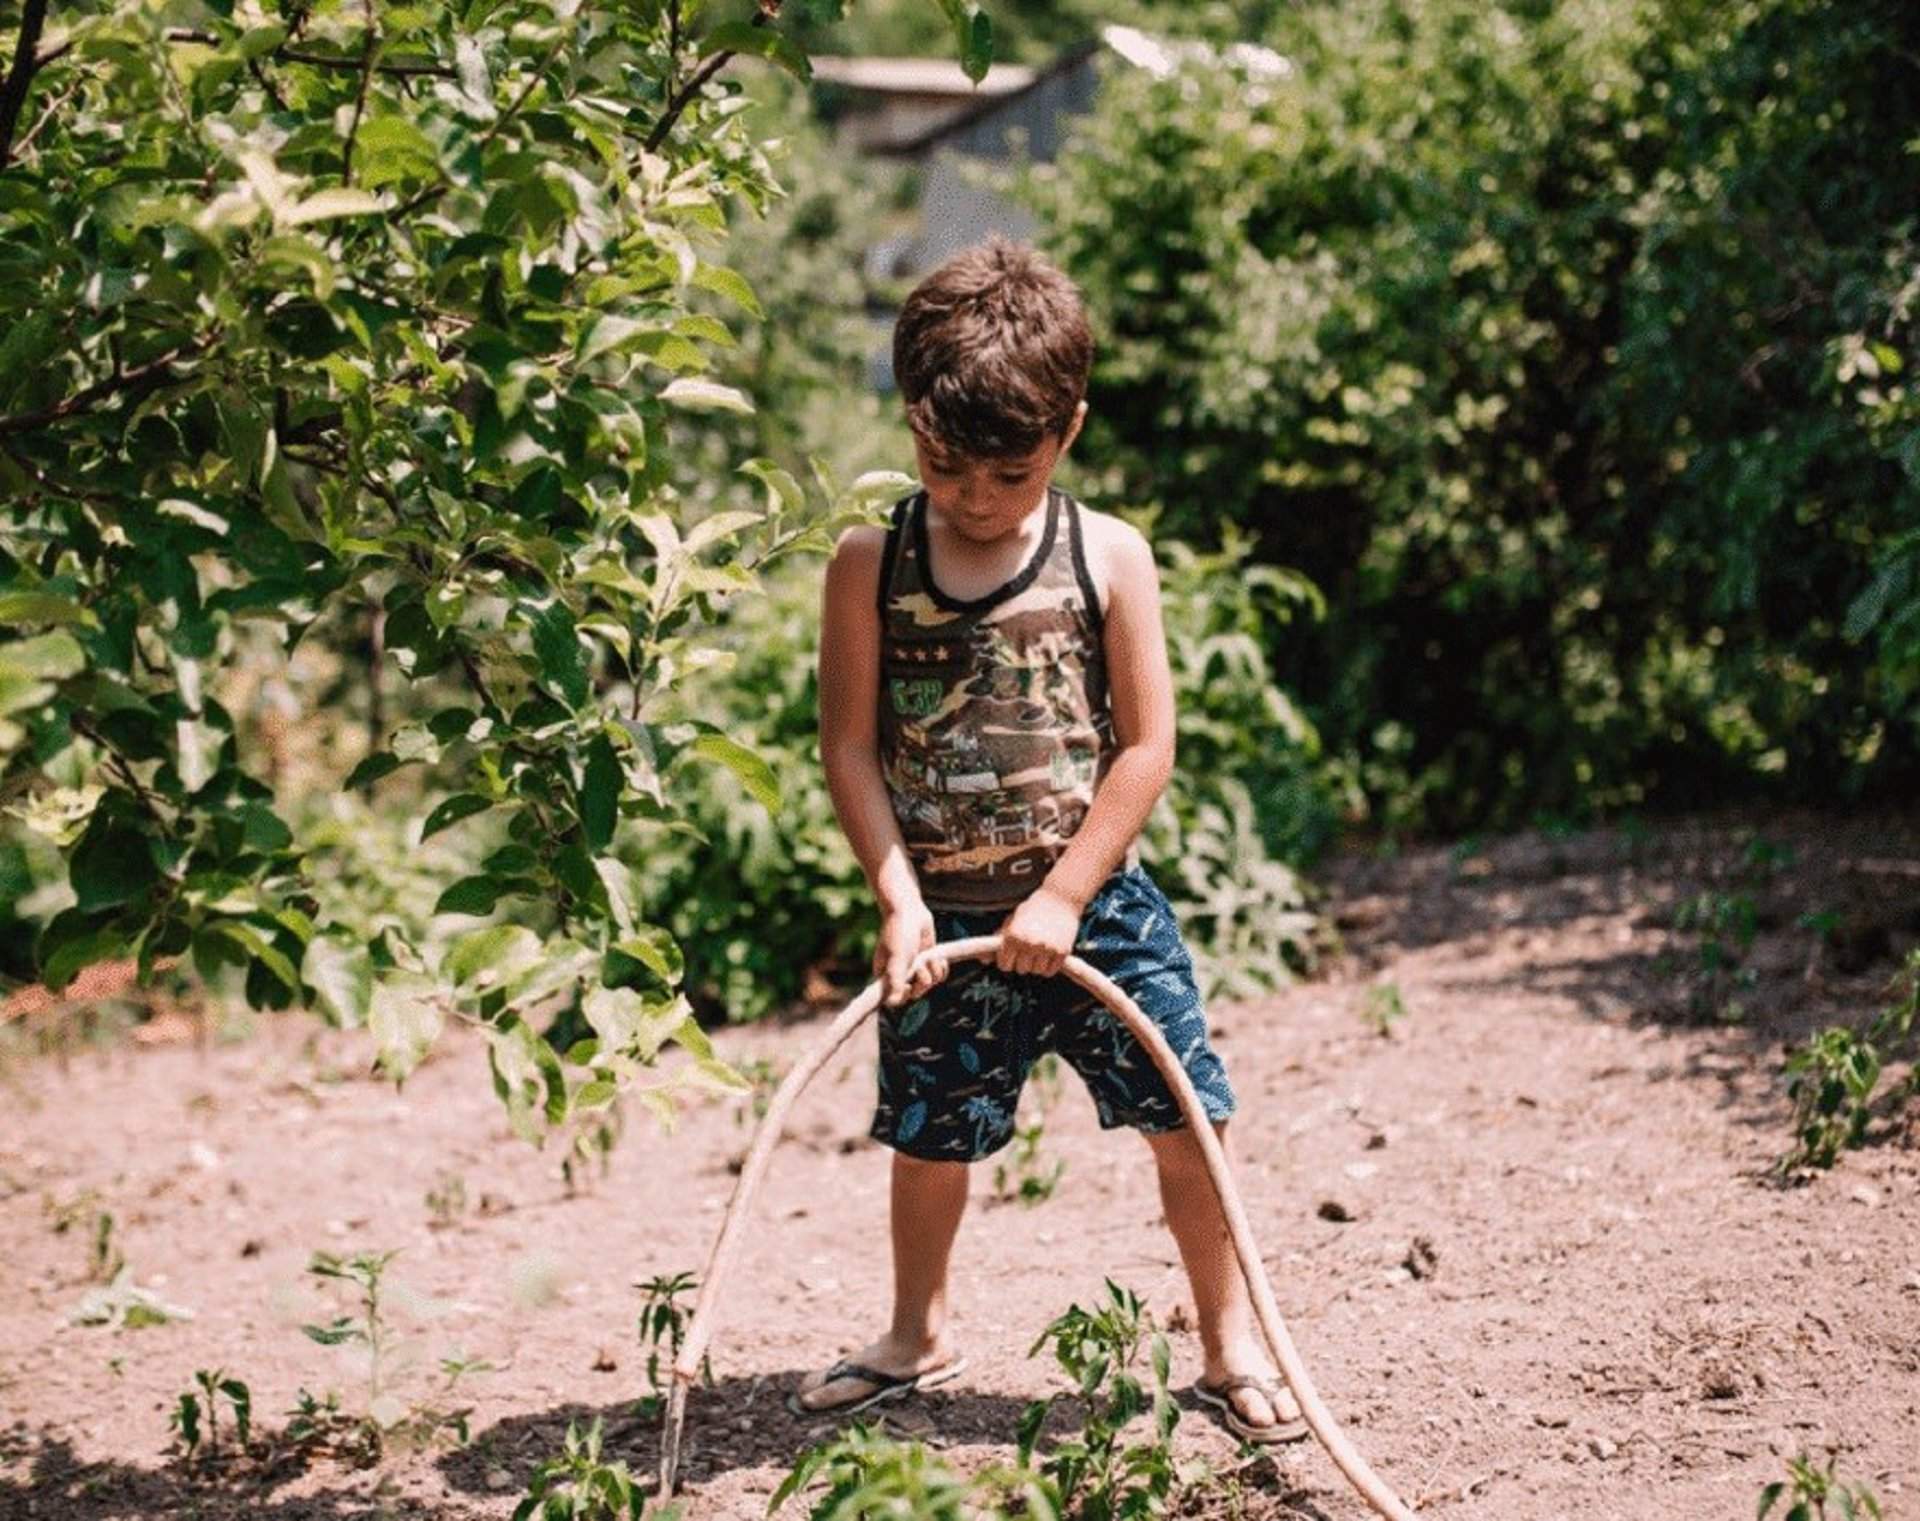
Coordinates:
(995,726)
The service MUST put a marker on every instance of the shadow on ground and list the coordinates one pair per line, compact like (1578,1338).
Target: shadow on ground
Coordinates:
(1801,920)
(43,1479)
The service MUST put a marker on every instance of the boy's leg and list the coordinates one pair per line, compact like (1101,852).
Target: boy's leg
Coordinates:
(1230,1339)
(1129,933)
(928,1199)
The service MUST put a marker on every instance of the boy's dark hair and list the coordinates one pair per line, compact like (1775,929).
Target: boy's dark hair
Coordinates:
(992,351)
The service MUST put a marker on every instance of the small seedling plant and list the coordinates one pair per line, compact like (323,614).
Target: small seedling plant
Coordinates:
(1833,1079)
(865,1473)
(447,1200)
(662,1319)
(1383,1008)
(213,1386)
(318,1424)
(1723,926)
(391,1418)
(764,1076)
(104,1258)
(1808,1491)
(1023,1176)
(1095,1476)
(577,1486)
(868,1473)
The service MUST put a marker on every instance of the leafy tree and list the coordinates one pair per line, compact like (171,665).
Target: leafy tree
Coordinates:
(1568,348)
(317,310)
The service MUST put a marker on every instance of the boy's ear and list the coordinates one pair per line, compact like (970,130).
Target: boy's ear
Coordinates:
(1073,428)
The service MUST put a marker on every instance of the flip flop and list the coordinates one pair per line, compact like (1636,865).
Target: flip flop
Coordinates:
(1278,1395)
(892,1386)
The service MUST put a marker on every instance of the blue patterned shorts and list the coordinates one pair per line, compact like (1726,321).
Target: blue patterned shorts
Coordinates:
(953,1061)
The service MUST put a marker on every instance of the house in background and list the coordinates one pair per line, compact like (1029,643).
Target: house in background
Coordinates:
(926,112)
(880,105)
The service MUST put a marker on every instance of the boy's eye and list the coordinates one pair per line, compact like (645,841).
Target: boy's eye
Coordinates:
(1013,480)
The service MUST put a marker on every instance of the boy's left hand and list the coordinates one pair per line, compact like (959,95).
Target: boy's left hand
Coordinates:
(1039,934)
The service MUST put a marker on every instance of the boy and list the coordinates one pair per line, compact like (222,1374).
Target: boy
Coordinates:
(996,722)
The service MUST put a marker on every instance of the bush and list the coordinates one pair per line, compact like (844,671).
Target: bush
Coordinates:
(1568,348)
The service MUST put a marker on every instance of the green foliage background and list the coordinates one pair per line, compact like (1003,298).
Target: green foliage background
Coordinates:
(1568,349)
(1520,400)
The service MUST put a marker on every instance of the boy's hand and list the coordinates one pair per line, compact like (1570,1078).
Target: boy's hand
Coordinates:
(905,933)
(1039,934)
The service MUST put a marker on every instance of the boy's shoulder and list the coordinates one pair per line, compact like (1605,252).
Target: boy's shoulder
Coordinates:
(1104,538)
(1107,539)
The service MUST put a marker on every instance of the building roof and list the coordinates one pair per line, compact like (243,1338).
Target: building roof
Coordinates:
(917,76)
(1159,56)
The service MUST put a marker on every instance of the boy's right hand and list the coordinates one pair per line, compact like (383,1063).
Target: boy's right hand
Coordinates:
(904,933)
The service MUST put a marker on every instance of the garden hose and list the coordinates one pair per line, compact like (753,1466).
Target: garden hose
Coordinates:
(700,1330)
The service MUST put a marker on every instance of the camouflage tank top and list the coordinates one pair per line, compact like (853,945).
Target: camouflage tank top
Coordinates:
(994,723)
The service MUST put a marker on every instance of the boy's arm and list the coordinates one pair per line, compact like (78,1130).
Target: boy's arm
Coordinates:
(849,684)
(1141,688)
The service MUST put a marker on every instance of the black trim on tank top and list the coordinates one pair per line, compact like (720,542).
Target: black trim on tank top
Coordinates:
(1006,589)
(890,552)
(1087,588)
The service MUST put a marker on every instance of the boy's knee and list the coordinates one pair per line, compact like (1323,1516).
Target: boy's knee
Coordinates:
(1178,1151)
(927,1169)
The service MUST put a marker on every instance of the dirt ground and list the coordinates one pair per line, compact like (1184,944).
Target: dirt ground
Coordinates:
(1526,1240)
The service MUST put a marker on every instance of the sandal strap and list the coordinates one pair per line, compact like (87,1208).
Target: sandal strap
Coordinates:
(1265,1383)
(846,1369)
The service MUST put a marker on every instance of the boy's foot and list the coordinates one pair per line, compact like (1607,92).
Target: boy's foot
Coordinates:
(1257,1408)
(881,1370)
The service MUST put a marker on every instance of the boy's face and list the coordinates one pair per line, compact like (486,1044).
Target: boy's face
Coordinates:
(987,498)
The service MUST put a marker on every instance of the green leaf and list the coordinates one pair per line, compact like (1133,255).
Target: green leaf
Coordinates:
(341,976)
(633,1023)
(609,334)
(371,769)
(759,41)
(717,526)
(452,810)
(973,35)
(492,955)
(563,659)
(43,607)
(404,1024)
(706,396)
(595,1094)
(258,948)
(64,955)
(754,773)
(338,201)
(654,947)
(600,792)
(876,486)
(199,745)
(390,148)
(730,284)
(472,895)
(264,831)
(110,866)
(783,491)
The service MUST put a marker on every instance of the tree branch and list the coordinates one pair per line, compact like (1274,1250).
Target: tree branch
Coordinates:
(321,61)
(13,94)
(53,107)
(434,192)
(150,376)
(260,75)
(683,95)
(765,14)
(360,99)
